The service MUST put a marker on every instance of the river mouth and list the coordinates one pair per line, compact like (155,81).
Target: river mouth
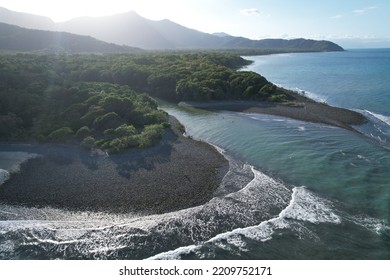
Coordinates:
(260,210)
(254,214)
(295,190)
(51,233)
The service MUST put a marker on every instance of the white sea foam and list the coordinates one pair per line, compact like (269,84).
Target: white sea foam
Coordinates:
(219,150)
(258,195)
(262,192)
(363,158)
(311,95)
(372,224)
(103,234)
(262,232)
(314,96)
(4,176)
(7,247)
(304,206)
(10,162)
(382,118)
(175,254)
(378,127)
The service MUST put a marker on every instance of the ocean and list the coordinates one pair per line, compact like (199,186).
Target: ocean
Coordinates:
(295,190)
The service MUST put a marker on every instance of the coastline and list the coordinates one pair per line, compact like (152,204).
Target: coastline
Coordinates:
(299,107)
(175,174)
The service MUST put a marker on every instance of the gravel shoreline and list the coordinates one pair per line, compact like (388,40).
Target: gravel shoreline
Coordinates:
(175,174)
(300,108)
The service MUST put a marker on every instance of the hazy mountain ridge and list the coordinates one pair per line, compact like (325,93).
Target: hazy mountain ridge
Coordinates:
(26,20)
(134,30)
(124,29)
(15,38)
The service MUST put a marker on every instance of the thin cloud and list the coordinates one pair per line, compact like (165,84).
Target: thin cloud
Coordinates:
(364,10)
(337,16)
(250,12)
(358,12)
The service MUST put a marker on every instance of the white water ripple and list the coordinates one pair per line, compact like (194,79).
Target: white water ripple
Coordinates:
(382,118)
(10,162)
(101,235)
(304,206)
(4,176)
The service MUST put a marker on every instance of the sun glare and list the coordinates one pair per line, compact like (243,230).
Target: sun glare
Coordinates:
(66,10)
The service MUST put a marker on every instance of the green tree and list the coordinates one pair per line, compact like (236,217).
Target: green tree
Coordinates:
(62,134)
(109,120)
(83,132)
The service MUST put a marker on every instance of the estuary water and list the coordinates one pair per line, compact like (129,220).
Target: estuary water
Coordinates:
(295,190)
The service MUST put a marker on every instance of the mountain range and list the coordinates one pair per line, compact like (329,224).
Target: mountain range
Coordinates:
(15,38)
(133,30)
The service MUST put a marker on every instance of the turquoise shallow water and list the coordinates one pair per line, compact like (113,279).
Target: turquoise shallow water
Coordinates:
(340,181)
(295,190)
(347,172)
(355,79)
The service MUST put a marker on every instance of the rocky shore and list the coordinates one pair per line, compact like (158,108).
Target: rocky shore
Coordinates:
(175,174)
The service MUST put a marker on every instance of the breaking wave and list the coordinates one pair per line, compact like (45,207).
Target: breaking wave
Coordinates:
(10,162)
(304,206)
(249,206)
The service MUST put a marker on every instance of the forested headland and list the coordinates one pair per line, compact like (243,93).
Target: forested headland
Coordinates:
(107,101)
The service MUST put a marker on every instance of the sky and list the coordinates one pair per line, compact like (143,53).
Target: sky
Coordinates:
(352,23)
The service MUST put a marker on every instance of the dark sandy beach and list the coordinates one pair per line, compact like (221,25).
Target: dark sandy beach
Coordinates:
(175,174)
(299,108)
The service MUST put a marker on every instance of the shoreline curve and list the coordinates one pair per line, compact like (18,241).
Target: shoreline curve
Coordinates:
(175,174)
(298,107)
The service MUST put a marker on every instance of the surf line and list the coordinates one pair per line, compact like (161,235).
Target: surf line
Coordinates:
(264,231)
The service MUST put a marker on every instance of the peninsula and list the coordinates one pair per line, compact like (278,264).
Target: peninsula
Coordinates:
(298,107)
(132,155)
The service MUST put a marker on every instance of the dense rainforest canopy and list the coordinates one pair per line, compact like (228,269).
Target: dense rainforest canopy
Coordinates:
(106,100)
